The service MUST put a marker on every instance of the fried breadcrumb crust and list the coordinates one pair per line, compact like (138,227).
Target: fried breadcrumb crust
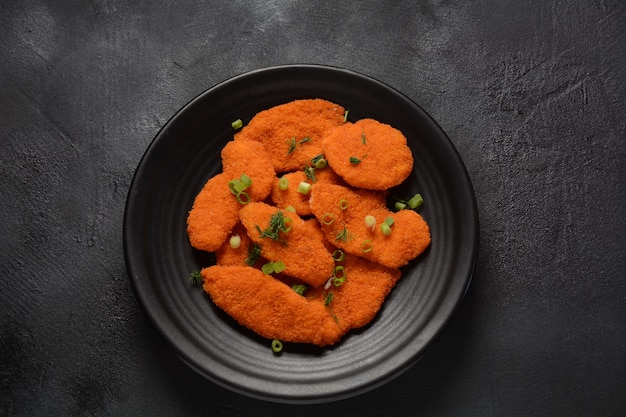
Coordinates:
(269,307)
(292,132)
(368,154)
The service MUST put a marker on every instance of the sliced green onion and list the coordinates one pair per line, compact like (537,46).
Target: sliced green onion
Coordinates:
(235,241)
(246,180)
(338,255)
(328,299)
(321,163)
(299,288)
(273,267)
(339,272)
(328,219)
(267,268)
(370,221)
(291,209)
(384,227)
(237,124)
(343,204)
(416,201)
(339,281)
(305,140)
(345,116)
(399,206)
(277,346)
(367,246)
(279,266)
(304,187)
(389,220)
(354,160)
(287,223)
(283,183)
(363,139)
(243,197)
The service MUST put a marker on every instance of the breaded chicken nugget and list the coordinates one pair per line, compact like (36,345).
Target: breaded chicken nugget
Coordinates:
(252,159)
(214,213)
(292,197)
(368,154)
(358,299)
(292,132)
(342,212)
(269,307)
(304,255)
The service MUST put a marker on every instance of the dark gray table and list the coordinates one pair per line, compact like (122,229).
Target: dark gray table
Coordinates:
(531,93)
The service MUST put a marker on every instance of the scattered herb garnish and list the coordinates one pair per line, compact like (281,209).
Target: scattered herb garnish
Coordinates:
(329,298)
(309,171)
(354,160)
(277,346)
(237,124)
(363,137)
(412,203)
(343,235)
(319,161)
(292,145)
(278,223)
(253,254)
(195,278)
(300,288)
(345,115)
(304,140)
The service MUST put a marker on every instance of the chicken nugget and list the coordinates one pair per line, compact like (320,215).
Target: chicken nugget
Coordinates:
(252,159)
(268,307)
(342,212)
(368,154)
(357,300)
(283,236)
(214,213)
(293,131)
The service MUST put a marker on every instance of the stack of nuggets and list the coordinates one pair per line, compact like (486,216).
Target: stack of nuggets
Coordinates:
(308,225)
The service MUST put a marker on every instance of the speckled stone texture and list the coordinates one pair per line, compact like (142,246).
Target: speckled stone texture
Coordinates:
(532,94)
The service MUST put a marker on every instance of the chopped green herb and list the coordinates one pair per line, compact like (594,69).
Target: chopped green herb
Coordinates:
(237,124)
(278,223)
(304,187)
(319,162)
(300,288)
(309,171)
(273,267)
(304,140)
(354,160)
(253,254)
(343,235)
(329,298)
(195,278)
(345,115)
(363,139)
(277,346)
(292,145)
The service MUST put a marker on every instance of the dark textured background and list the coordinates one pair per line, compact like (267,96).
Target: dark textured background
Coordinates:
(532,93)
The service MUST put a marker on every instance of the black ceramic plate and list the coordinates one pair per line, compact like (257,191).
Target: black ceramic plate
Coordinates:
(186,152)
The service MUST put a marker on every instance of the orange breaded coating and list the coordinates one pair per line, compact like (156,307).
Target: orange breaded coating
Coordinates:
(214,213)
(252,159)
(358,299)
(269,307)
(409,236)
(227,255)
(292,132)
(291,196)
(368,154)
(305,256)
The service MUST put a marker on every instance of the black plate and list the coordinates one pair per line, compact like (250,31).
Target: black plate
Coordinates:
(186,152)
